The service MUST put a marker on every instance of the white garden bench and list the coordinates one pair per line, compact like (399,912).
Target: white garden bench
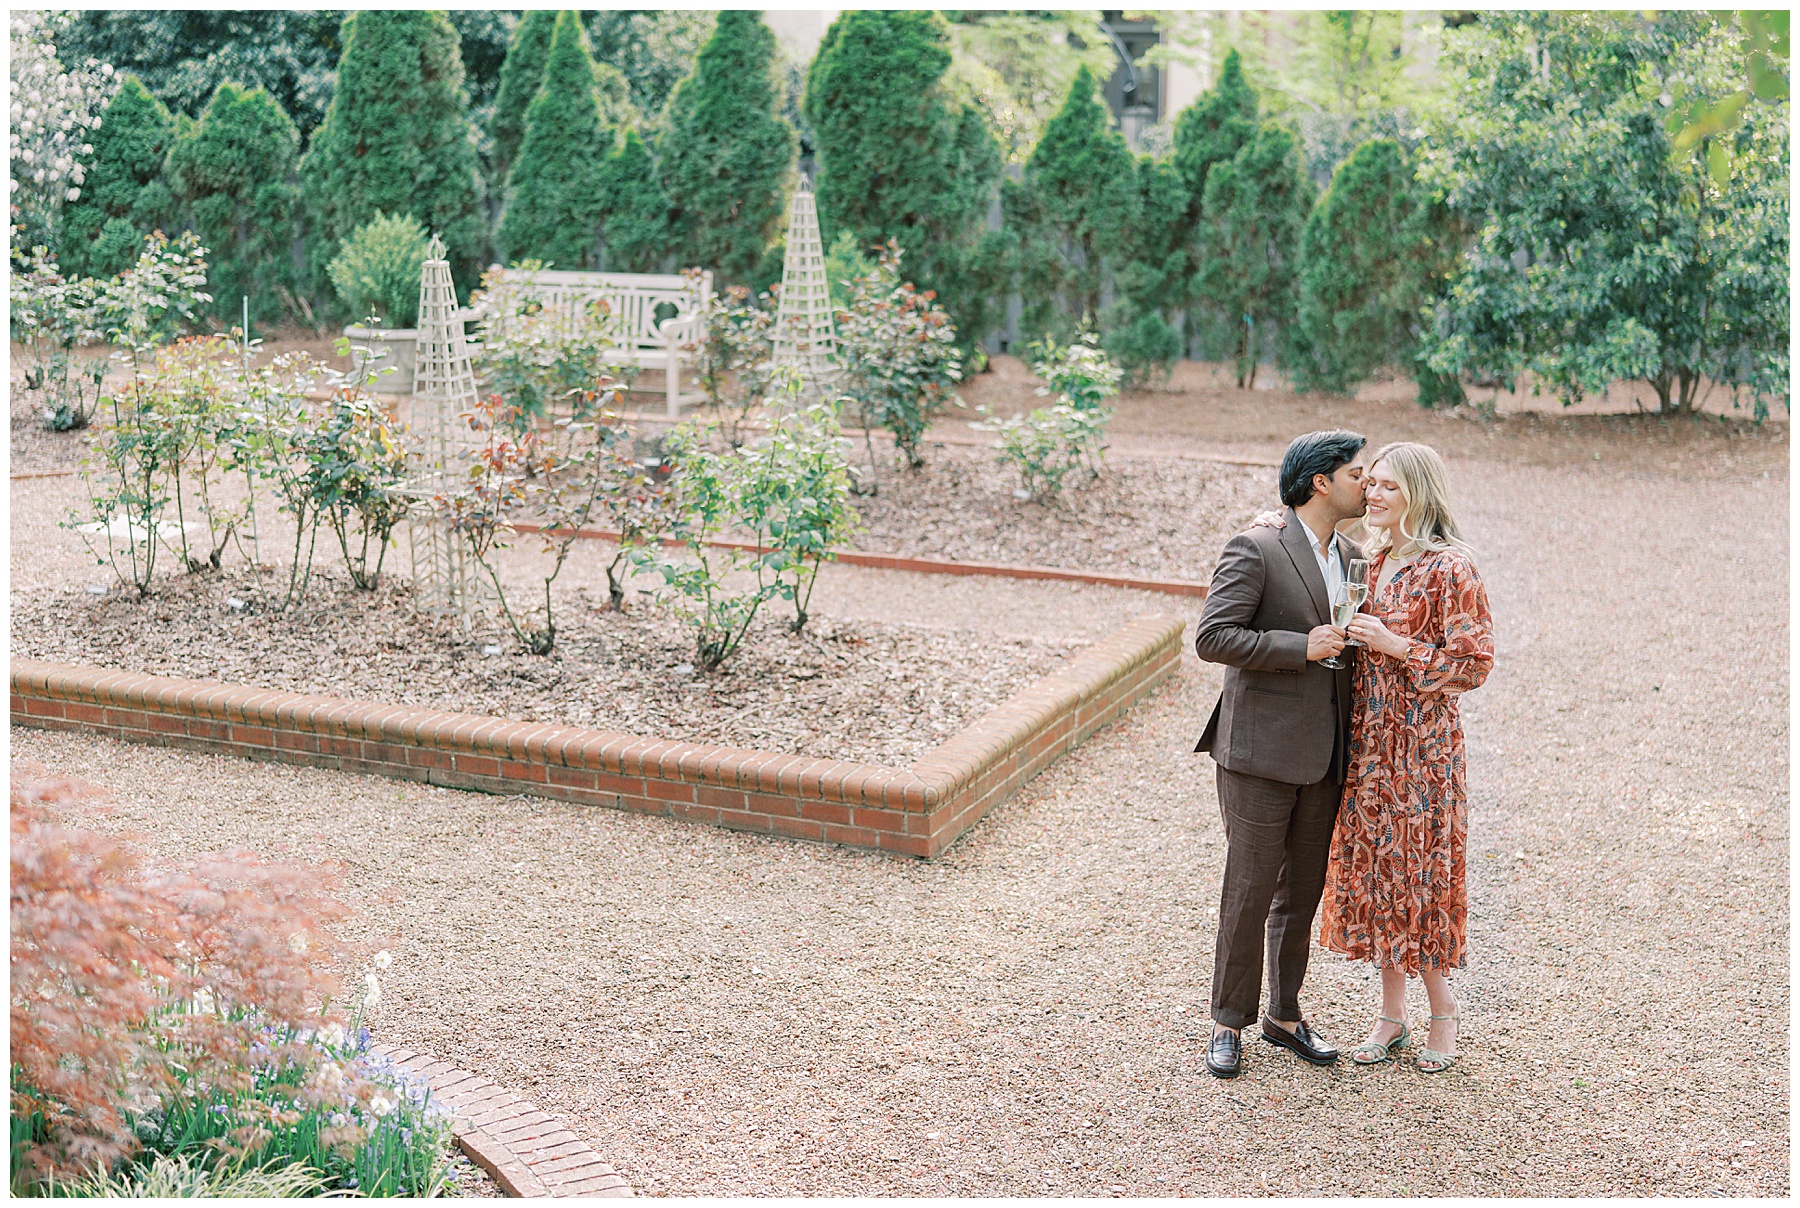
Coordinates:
(634,298)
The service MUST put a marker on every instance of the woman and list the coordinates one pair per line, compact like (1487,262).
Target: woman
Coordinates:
(1395,892)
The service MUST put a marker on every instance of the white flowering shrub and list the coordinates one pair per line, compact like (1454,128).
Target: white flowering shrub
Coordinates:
(54,111)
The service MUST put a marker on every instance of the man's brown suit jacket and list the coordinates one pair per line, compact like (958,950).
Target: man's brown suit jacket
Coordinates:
(1279,717)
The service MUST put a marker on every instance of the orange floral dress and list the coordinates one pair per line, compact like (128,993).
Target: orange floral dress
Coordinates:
(1395,892)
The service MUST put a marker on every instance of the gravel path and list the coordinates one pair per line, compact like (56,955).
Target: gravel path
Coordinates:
(728,1014)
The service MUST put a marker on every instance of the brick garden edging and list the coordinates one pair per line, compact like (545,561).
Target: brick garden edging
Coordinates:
(527,1152)
(917,811)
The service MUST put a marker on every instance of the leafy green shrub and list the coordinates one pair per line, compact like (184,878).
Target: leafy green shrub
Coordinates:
(735,356)
(232,170)
(357,463)
(52,316)
(1049,443)
(561,478)
(845,261)
(123,195)
(536,357)
(139,452)
(796,492)
(1079,372)
(1147,346)
(899,355)
(790,490)
(376,271)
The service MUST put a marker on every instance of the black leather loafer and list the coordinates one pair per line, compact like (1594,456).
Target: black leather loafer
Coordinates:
(1303,1041)
(1225,1054)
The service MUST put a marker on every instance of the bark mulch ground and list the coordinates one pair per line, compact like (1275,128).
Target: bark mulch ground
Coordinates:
(856,690)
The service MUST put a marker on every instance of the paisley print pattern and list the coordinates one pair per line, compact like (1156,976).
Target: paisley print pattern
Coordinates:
(1395,892)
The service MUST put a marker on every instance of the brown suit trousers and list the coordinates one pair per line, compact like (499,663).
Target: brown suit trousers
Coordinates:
(1280,737)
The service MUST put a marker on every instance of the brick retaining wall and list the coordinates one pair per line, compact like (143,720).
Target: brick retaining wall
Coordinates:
(918,810)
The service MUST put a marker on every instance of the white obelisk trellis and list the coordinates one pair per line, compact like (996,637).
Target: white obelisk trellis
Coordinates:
(804,336)
(443,390)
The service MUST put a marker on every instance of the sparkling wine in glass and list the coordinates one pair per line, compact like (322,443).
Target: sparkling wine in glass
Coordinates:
(1341,612)
(1356,586)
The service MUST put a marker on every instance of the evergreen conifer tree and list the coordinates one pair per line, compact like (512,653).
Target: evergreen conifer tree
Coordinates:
(233,172)
(1153,275)
(1255,205)
(727,155)
(556,192)
(898,158)
(1083,202)
(1370,256)
(1211,131)
(124,195)
(397,138)
(520,77)
(1215,127)
(636,227)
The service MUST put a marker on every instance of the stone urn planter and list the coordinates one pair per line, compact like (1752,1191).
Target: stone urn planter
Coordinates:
(401,348)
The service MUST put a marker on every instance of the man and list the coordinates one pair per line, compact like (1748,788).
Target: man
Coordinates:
(1280,738)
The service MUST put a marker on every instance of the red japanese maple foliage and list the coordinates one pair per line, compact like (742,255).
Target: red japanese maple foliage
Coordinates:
(125,974)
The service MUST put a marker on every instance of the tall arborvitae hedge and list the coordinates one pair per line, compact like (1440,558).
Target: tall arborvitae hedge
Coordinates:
(556,193)
(1371,256)
(1081,211)
(1215,127)
(1153,280)
(397,138)
(520,76)
(233,173)
(899,158)
(124,196)
(1251,216)
(727,155)
(1211,131)
(636,227)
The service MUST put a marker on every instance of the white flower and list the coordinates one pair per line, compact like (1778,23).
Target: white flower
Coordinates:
(382,959)
(203,1000)
(332,1034)
(373,995)
(74,194)
(381,1105)
(297,942)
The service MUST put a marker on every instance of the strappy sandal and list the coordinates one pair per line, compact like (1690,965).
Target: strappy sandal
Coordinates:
(1430,1061)
(1373,1052)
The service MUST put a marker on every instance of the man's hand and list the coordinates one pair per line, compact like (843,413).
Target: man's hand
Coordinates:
(1323,642)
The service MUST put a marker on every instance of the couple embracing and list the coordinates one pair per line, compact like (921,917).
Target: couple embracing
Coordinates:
(1339,746)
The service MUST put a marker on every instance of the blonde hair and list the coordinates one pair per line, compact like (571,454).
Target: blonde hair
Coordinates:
(1422,478)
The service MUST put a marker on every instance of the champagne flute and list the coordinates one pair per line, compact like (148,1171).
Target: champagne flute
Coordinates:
(1341,612)
(1356,586)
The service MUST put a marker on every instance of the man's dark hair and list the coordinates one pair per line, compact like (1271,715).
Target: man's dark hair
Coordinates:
(1315,453)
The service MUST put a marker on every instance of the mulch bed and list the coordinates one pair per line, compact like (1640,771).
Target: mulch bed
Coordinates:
(1163,517)
(883,693)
